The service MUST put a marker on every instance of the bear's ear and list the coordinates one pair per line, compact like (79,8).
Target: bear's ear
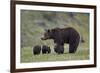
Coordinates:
(47,30)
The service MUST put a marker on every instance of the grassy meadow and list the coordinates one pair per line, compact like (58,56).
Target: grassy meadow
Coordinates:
(27,55)
(33,24)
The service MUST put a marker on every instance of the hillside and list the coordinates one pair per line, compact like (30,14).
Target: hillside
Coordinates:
(33,24)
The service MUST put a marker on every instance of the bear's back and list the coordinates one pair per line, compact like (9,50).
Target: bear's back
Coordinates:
(68,33)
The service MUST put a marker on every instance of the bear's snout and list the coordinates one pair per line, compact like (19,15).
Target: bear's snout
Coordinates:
(43,38)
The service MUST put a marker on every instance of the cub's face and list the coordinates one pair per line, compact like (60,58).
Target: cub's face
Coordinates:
(46,35)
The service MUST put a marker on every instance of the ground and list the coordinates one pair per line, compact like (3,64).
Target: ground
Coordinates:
(27,56)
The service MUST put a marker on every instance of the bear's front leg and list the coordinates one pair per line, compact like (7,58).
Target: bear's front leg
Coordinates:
(59,49)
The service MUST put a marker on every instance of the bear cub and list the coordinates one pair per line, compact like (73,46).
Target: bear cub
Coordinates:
(46,49)
(36,50)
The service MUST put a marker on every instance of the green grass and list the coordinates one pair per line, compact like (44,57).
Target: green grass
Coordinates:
(28,56)
(32,31)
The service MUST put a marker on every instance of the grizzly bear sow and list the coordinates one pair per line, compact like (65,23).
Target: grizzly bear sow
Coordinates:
(63,35)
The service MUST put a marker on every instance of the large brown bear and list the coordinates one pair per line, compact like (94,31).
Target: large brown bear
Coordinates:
(63,35)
